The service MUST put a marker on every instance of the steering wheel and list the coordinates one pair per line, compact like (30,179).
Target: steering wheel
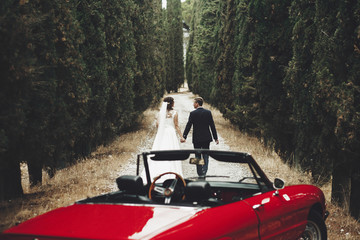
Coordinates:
(167,193)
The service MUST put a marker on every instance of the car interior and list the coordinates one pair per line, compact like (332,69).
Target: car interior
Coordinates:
(190,191)
(196,192)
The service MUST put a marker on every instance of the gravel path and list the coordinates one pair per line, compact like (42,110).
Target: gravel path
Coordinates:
(183,105)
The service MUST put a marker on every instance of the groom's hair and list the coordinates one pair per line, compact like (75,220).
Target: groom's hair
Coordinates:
(199,100)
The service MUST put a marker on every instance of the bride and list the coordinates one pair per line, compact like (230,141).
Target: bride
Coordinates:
(166,139)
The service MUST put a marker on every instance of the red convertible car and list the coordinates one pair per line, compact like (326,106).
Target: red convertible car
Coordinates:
(235,200)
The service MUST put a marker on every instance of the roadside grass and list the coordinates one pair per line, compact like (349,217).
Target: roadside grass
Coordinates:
(96,175)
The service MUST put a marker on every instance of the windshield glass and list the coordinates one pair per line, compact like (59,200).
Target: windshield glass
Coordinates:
(217,170)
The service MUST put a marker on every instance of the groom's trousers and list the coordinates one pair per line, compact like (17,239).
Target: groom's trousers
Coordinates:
(202,169)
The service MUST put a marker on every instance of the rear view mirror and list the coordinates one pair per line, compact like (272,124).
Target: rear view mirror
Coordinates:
(197,161)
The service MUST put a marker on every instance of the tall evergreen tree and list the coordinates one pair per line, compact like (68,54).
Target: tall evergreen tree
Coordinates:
(342,59)
(202,49)
(208,28)
(175,74)
(72,89)
(299,81)
(242,111)
(148,81)
(90,15)
(222,91)
(14,85)
(350,133)
(191,65)
(120,41)
(270,50)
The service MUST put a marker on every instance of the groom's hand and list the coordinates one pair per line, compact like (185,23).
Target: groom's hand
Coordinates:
(182,140)
(217,141)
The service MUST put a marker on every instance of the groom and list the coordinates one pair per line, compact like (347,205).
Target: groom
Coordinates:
(202,121)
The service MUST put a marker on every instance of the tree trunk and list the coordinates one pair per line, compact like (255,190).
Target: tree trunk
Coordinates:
(10,178)
(341,182)
(355,191)
(35,172)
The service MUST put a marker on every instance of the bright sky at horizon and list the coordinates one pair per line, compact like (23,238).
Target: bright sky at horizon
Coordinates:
(164,3)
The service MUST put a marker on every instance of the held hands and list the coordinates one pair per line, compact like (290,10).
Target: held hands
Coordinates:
(182,140)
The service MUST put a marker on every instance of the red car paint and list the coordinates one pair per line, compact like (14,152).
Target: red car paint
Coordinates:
(275,214)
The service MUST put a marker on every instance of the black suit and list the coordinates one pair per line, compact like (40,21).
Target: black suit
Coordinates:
(202,121)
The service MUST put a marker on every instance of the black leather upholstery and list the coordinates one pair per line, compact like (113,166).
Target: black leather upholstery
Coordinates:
(130,184)
(198,191)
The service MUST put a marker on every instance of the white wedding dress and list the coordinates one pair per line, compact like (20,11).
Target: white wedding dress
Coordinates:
(166,139)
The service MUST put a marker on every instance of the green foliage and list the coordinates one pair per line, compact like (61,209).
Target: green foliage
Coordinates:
(187,9)
(74,75)
(298,81)
(286,72)
(149,79)
(15,70)
(222,92)
(93,49)
(175,57)
(243,110)
(120,45)
(201,54)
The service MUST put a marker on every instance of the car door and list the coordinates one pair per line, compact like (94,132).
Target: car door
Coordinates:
(278,214)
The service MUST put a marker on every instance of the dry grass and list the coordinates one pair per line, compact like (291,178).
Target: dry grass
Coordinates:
(97,175)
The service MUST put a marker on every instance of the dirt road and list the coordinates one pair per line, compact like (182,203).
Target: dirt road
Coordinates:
(183,105)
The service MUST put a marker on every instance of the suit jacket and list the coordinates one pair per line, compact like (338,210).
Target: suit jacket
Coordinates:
(202,121)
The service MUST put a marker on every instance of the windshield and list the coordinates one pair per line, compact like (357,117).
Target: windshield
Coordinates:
(227,168)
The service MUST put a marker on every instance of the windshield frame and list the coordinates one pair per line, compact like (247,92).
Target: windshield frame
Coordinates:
(223,156)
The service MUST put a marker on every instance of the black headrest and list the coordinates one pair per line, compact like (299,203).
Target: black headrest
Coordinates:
(197,191)
(130,184)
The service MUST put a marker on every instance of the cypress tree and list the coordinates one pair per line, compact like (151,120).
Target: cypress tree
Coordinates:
(242,111)
(208,28)
(270,54)
(202,48)
(222,91)
(91,17)
(341,103)
(13,91)
(175,72)
(298,82)
(41,98)
(120,42)
(191,64)
(148,80)
(351,129)
(158,32)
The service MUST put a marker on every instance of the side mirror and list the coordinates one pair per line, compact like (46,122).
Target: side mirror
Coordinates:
(278,184)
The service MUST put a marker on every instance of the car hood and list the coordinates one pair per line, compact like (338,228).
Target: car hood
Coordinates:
(104,221)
